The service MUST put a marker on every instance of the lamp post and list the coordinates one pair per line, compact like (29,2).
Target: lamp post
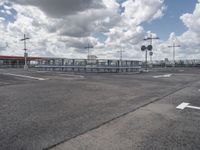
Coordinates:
(25,52)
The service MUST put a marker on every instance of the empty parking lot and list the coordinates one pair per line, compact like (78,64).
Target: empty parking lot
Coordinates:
(57,110)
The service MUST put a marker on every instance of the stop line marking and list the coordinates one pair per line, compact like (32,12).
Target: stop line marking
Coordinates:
(24,76)
(186,105)
(163,76)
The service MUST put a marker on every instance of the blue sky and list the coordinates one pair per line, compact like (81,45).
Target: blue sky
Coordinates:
(9,17)
(171,22)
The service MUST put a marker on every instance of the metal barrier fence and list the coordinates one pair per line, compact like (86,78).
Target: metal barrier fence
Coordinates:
(177,63)
(85,65)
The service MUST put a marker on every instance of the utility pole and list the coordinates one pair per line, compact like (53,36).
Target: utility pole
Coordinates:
(173,48)
(121,55)
(88,48)
(25,52)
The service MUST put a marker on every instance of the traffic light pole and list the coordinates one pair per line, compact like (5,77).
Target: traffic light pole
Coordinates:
(146,57)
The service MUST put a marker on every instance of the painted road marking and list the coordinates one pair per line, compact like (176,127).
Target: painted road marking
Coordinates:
(186,105)
(163,76)
(181,70)
(42,71)
(4,83)
(24,76)
(77,76)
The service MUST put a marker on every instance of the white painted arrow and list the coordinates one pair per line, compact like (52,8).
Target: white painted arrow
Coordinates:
(186,105)
(163,76)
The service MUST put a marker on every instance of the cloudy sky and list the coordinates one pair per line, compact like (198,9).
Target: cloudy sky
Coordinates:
(62,28)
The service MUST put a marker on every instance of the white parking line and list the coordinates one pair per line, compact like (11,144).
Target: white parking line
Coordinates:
(24,76)
(42,71)
(186,105)
(163,76)
(4,83)
(76,76)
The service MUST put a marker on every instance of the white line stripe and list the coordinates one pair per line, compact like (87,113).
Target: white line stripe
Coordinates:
(193,107)
(79,76)
(24,76)
(163,76)
(4,83)
(42,71)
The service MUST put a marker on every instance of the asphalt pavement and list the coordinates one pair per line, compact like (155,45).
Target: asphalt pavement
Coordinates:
(107,111)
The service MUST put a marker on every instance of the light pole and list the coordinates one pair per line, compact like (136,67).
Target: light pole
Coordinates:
(25,52)
(173,46)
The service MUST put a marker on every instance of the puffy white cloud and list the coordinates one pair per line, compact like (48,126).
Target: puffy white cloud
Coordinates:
(138,11)
(189,40)
(63,28)
(190,45)
(192,21)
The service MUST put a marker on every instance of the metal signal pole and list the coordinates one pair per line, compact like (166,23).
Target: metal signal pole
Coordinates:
(151,38)
(25,52)
(150,48)
(88,48)
(173,47)
(121,55)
